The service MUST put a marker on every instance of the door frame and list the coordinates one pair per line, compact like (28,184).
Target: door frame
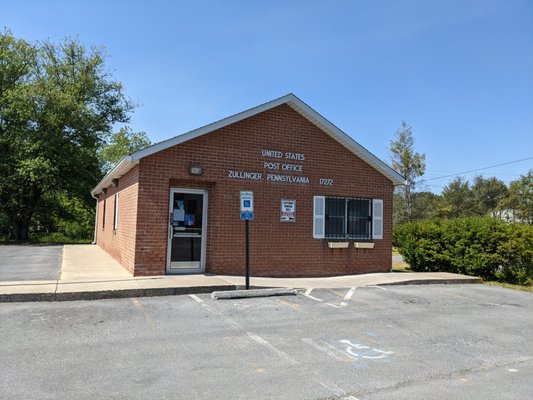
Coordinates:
(179,271)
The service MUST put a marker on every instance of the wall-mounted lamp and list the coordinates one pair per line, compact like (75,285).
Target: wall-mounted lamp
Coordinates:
(195,169)
(114,182)
(104,190)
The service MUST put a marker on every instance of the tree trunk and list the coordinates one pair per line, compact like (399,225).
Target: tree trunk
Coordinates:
(20,218)
(19,229)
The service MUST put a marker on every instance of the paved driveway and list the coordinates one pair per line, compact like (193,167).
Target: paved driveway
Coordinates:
(30,262)
(399,342)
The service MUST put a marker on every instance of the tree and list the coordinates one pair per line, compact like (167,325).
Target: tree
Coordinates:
(411,165)
(426,205)
(121,143)
(487,194)
(520,198)
(456,199)
(57,106)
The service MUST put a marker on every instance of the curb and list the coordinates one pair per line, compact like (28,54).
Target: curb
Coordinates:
(241,294)
(110,294)
(433,282)
(232,290)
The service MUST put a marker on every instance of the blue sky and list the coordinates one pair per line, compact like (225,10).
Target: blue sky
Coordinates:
(459,72)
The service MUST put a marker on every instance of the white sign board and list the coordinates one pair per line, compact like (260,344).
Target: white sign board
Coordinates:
(247,201)
(288,211)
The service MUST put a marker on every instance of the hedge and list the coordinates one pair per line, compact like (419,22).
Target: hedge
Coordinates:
(479,246)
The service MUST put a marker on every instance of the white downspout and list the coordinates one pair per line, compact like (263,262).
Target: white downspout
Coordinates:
(95,219)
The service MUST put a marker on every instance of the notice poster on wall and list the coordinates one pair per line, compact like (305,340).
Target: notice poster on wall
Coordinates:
(179,211)
(189,220)
(288,211)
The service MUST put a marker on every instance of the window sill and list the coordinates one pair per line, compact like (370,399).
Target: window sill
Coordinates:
(338,245)
(363,245)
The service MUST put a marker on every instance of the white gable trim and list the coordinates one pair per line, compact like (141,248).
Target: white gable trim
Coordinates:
(294,102)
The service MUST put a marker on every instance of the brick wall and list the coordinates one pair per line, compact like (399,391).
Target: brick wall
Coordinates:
(277,249)
(120,243)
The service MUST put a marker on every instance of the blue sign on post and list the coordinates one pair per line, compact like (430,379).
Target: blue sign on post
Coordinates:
(247,216)
(247,201)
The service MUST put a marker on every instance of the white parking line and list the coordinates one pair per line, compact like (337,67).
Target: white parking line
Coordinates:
(213,311)
(194,297)
(341,352)
(337,391)
(349,294)
(332,353)
(308,294)
(348,297)
(379,287)
(267,344)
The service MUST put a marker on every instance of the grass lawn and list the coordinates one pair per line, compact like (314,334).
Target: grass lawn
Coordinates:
(53,238)
(511,286)
(399,266)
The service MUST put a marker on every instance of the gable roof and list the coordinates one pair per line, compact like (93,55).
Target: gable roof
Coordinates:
(128,162)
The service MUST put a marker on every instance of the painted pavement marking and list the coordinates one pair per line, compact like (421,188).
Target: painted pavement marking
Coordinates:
(348,297)
(329,350)
(349,294)
(270,346)
(233,323)
(352,351)
(196,298)
(337,391)
(379,287)
(351,346)
(308,294)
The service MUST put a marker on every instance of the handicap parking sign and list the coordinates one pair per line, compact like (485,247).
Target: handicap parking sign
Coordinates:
(247,201)
(247,216)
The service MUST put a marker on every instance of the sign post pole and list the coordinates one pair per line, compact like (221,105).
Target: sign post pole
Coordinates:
(247,214)
(247,224)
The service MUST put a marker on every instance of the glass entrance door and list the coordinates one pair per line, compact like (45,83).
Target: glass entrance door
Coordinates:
(187,231)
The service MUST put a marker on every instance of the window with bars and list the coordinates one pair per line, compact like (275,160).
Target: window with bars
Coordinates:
(346,218)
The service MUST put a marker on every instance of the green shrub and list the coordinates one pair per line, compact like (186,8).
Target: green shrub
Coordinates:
(57,237)
(484,247)
(517,254)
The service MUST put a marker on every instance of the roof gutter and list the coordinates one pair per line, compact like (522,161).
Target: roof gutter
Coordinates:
(121,169)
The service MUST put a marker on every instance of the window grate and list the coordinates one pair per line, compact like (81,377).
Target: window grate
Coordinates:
(348,218)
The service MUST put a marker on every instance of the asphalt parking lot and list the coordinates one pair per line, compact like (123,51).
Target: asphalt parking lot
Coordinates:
(30,262)
(401,342)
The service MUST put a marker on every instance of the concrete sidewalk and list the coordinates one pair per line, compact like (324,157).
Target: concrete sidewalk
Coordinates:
(88,272)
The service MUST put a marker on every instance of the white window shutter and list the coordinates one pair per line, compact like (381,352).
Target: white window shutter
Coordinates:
(377,219)
(319,216)
(115,217)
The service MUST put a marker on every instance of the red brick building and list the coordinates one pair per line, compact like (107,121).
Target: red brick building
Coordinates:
(322,202)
